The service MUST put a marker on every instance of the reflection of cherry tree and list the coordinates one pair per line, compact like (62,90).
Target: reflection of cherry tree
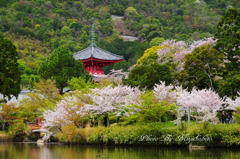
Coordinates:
(205,102)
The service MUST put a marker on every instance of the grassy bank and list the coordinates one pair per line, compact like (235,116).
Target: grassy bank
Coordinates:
(4,137)
(154,134)
(220,135)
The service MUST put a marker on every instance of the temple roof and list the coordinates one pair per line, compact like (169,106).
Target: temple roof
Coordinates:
(97,53)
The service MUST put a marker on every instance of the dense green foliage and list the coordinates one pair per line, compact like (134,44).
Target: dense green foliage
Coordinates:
(61,67)
(153,110)
(202,68)
(131,51)
(175,19)
(81,84)
(230,85)
(228,35)
(37,27)
(9,71)
(146,76)
(17,131)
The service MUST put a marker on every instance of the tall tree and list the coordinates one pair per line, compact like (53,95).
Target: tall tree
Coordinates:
(228,42)
(61,67)
(204,102)
(230,85)
(146,76)
(10,77)
(201,68)
(228,38)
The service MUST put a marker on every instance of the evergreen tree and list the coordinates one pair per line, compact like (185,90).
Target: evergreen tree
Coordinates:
(10,78)
(228,35)
(61,67)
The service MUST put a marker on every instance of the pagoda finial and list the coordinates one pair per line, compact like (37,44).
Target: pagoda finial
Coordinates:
(93,33)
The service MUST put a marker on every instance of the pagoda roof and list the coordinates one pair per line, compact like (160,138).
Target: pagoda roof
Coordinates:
(95,52)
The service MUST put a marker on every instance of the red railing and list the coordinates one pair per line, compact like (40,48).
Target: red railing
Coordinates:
(37,125)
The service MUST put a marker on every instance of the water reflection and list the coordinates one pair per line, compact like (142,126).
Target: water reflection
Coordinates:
(34,151)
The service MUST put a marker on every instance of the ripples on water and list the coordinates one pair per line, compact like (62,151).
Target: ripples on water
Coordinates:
(34,151)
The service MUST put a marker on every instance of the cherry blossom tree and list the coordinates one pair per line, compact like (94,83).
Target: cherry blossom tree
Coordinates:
(231,104)
(174,51)
(117,75)
(114,77)
(205,102)
(99,101)
(113,99)
(165,93)
(69,110)
(202,68)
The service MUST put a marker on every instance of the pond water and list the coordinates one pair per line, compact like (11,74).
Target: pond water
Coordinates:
(51,151)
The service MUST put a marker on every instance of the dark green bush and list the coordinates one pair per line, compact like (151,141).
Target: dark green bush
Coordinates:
(17,131)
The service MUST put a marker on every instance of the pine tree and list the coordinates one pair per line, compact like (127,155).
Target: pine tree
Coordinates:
(10,78)
(61,67)
(228,38)
(228,42)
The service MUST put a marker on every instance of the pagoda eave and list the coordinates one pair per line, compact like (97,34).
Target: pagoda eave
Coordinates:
(94,65)
(99,60)
(95,58)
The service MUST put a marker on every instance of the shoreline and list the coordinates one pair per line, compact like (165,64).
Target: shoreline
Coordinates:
(194,136)
(192,147)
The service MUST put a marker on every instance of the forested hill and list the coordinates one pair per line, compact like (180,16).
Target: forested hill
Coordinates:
(36,27)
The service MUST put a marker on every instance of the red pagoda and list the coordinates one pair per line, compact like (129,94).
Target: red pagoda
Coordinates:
(94,58)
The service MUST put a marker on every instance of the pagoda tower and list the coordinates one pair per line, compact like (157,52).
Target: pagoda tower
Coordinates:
(94,58)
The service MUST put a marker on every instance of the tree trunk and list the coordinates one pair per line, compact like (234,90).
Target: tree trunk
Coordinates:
(98,120)
(3,100)
(106,120)
(188,117)
(61,90)
(108,123)
(209,76)
(165,120)
(76,124)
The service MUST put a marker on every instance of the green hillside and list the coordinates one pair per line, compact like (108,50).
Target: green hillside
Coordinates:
(37,27)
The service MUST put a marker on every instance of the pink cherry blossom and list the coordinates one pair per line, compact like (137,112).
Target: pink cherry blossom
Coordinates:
(165,93)
(113,99)
(232,104)
(66,111)
(174,51)
(205,102)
